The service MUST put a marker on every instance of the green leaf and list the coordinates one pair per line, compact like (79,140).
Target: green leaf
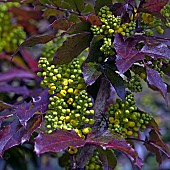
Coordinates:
(94,51)
(117,82)
(88,9)
(53,12)
(101,3)
(90,73)
(72,47)
(108,158)
(76,5)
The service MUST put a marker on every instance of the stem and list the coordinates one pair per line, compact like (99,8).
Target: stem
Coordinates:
(87,151)
(140,140)
(62,9)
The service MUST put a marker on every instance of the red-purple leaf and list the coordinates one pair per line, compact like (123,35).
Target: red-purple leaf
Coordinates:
(15,73)
(57,141)
(156,145)
(17,60)
(32,63)
(154,79)
(34,40)
(154,150)
(92,18)
(15,134)
(153,5)
(26,13)
(26,111)
(126,54)
(4,106)
(22,90)
(72,47)
(154,137)
(61,24)
(90,73)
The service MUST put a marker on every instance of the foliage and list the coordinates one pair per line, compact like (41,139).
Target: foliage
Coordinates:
(62,100)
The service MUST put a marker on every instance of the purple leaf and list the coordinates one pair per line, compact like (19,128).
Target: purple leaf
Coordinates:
(26,111)
(90,73)
(15,134)
(15,73)
(126,148)
(4,106)
(119,9)
(72,47)
(126,54)
(57,141)
(34,40)
(154,79)
(42,101)
(109,140)
(22,90)
(4,117)
(156,47)
(117,82)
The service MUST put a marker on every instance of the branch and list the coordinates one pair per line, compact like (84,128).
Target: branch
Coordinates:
(87,151)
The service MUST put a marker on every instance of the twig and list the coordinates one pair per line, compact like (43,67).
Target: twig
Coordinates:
(61,9)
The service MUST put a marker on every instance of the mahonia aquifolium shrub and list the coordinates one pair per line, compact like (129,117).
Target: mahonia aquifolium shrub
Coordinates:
(94,162)
(125,118)
(70,105)
(11,34)
(110,25)
(151,23)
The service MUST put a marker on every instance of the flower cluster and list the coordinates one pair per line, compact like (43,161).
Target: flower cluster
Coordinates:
(125,118)
(11,35)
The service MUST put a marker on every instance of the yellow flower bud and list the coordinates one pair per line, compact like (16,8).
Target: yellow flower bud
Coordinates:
(70,101)
(63,92)
(72,150)
(70,90)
